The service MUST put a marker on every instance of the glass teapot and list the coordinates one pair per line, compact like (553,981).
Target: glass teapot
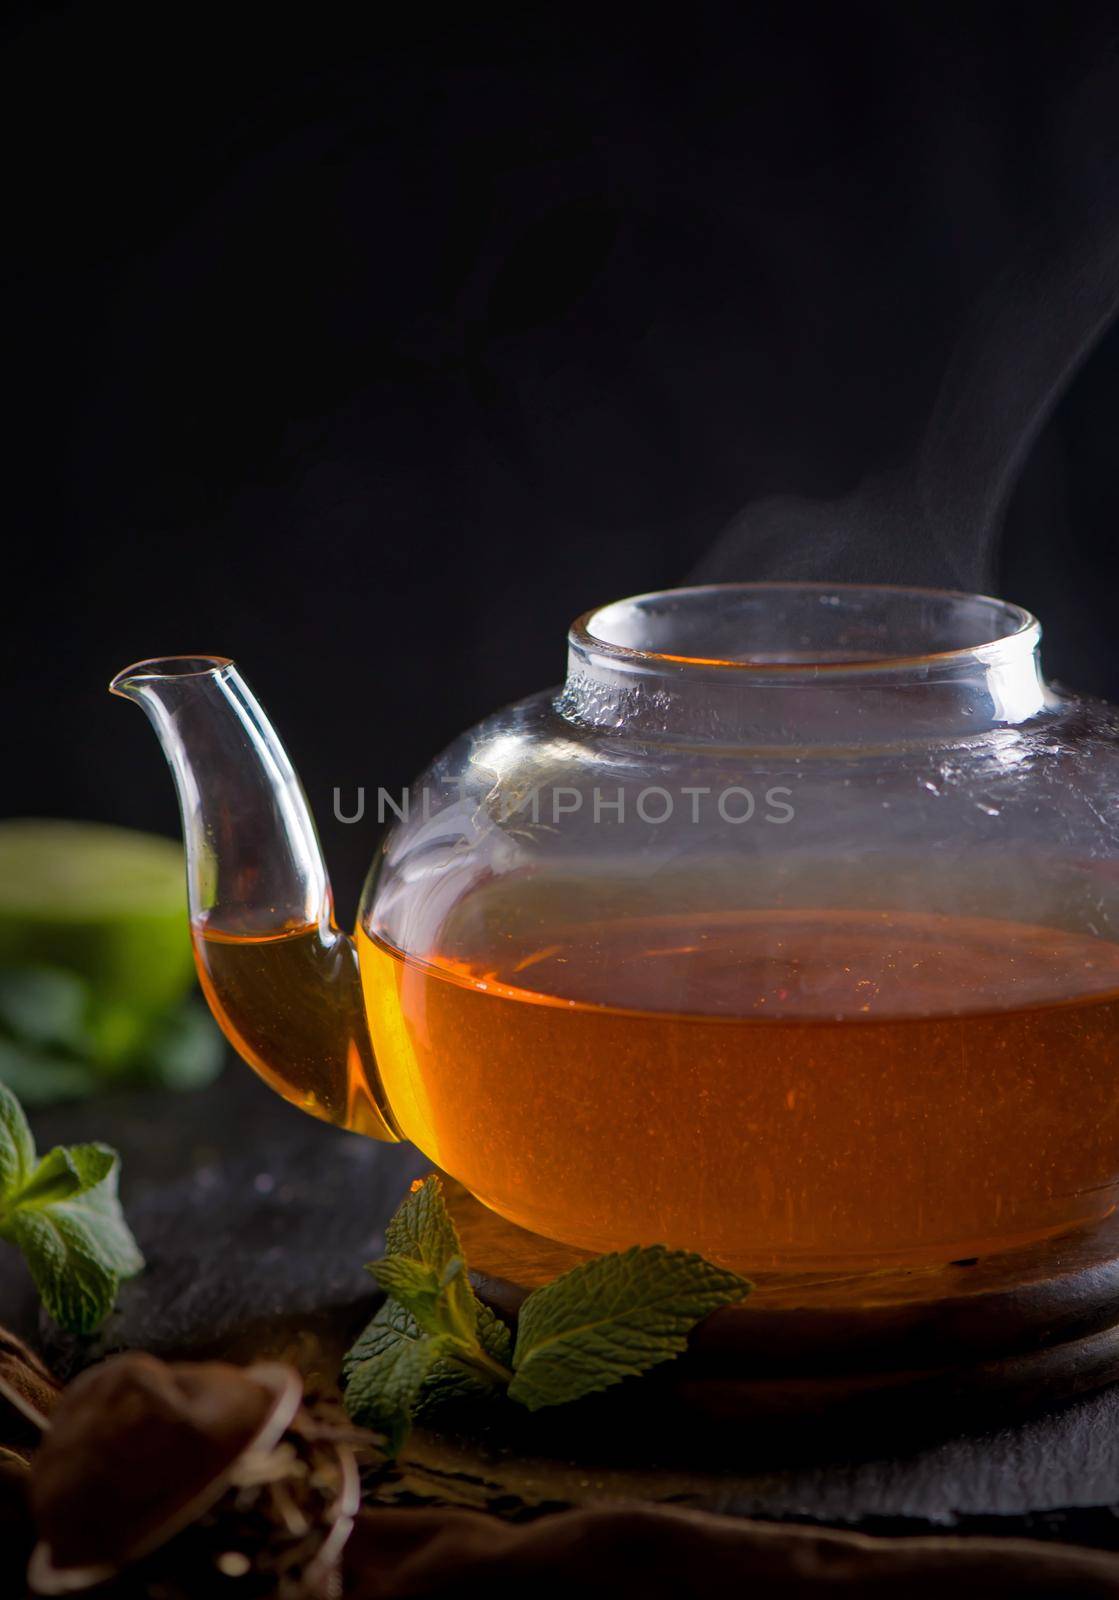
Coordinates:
(787,930)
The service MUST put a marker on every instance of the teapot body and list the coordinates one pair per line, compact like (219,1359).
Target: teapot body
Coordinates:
(786,930)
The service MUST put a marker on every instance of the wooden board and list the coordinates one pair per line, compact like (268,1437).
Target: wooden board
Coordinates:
(899,1352)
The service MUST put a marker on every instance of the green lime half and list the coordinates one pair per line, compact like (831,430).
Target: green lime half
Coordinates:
(109,903)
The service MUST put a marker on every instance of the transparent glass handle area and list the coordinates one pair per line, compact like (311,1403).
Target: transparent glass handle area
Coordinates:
(280,977)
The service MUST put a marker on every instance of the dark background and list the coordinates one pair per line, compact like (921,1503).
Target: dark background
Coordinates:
(372,353)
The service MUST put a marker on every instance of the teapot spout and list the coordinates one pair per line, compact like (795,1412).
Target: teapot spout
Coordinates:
(280,977)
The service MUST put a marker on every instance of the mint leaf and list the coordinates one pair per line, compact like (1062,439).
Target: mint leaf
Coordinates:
(77,1250)
(422,1228)
(17,1147)
(416,1285)
(64,1215)
(392,1322)
(75,1284)
(448,1379)
(431,1340)
(384,1388)
(395,1321)
(612,1318)
(65,1172)
(494,1336)
(422,1232)
(440,1303)
(98,1215)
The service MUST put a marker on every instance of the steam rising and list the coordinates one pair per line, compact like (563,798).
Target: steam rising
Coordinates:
(936,516)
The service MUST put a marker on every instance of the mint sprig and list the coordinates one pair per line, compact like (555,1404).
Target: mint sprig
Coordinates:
(433,1340)
(612,1317)
(63,1213)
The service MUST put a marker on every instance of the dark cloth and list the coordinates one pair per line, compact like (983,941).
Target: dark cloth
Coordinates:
(607,1552)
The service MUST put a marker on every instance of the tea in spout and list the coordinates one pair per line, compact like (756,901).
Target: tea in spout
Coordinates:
(280,977)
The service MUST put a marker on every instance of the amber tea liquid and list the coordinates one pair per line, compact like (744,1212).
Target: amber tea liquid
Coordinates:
(790,1089)
(774,1089)
(295,999)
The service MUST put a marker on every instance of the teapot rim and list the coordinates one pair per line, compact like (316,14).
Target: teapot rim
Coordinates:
(1021,633)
